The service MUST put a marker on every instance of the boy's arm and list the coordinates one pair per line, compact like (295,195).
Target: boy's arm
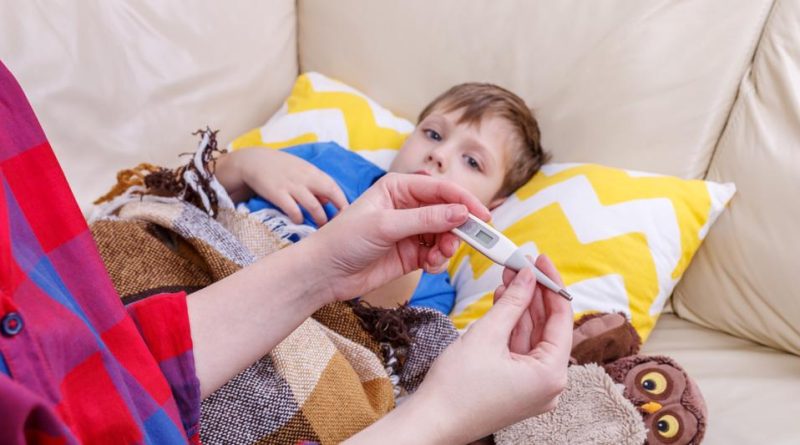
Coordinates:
(227,171)
(281,178)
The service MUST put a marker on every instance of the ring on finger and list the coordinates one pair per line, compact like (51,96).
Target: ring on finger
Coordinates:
(423,242)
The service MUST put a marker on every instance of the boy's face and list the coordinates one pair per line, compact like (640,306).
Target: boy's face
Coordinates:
(473,156)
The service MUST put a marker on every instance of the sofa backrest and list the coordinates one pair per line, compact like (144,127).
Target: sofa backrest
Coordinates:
(626,83)
(640,85)
(123,82)
(744,280)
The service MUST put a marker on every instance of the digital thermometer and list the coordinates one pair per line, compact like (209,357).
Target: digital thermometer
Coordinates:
(501,250)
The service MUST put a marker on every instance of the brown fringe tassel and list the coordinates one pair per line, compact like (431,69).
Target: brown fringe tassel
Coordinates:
(161,181)
(127,179)
(385,325)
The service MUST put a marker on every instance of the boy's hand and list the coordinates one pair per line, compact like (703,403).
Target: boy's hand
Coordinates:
(283,179)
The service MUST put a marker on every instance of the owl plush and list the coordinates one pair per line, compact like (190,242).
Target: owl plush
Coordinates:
(670,402)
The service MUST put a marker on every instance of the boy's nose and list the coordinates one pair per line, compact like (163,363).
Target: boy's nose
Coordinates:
(438,159)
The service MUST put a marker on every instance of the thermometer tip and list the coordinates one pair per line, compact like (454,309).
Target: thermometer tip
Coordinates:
(565,294)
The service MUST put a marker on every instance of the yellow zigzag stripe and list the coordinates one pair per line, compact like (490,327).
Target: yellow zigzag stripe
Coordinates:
(690,199)
(362,130)
(481,306)
(253,139)
(473,311)
(577,261)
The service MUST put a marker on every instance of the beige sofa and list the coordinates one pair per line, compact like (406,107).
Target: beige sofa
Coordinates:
(697,89)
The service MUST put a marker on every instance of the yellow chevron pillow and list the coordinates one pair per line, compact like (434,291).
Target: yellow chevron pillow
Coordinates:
(620,239)
(320,109)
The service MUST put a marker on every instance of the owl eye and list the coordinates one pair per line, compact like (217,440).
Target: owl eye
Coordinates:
(654,382)
(668,426)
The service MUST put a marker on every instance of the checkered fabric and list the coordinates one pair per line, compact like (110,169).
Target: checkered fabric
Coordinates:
(75,366)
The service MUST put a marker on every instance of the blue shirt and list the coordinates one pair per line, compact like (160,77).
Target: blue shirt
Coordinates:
(355,175)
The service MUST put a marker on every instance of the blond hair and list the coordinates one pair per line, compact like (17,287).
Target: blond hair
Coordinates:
(479,100)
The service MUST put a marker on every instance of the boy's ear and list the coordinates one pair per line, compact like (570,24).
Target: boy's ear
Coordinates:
(496,202)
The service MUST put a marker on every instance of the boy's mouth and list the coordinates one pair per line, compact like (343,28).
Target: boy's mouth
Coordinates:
(422,172)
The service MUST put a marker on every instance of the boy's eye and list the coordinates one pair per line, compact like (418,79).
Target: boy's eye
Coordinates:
(433,135)
(472,162)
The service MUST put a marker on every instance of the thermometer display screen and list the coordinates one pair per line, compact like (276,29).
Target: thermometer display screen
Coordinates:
(484,237)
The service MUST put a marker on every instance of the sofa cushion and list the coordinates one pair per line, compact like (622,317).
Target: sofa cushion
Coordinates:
(744,280)
(119,83)
(751,390)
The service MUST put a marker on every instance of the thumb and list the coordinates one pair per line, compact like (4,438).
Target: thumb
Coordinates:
(509,307)
(438,218)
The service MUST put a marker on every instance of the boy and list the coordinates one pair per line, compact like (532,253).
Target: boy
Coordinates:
(478,135)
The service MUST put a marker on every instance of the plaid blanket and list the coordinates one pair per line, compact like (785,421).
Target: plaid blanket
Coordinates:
(337,373)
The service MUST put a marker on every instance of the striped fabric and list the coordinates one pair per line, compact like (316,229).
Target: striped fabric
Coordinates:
(325,381)
(621,239)
(75,367)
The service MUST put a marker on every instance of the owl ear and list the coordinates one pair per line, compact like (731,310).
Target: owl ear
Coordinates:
(695,403)
(603,338)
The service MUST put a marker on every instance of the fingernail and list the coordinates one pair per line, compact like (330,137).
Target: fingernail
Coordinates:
(456,243)
(456,213)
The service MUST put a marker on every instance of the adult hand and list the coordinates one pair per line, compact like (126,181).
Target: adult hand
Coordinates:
(402,223)
(281,178)
(510,365)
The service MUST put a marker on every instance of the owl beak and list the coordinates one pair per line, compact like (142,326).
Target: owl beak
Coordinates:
(651,407)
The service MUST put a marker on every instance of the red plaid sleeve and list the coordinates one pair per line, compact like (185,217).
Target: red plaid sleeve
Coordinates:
(163,321)
(74,368)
